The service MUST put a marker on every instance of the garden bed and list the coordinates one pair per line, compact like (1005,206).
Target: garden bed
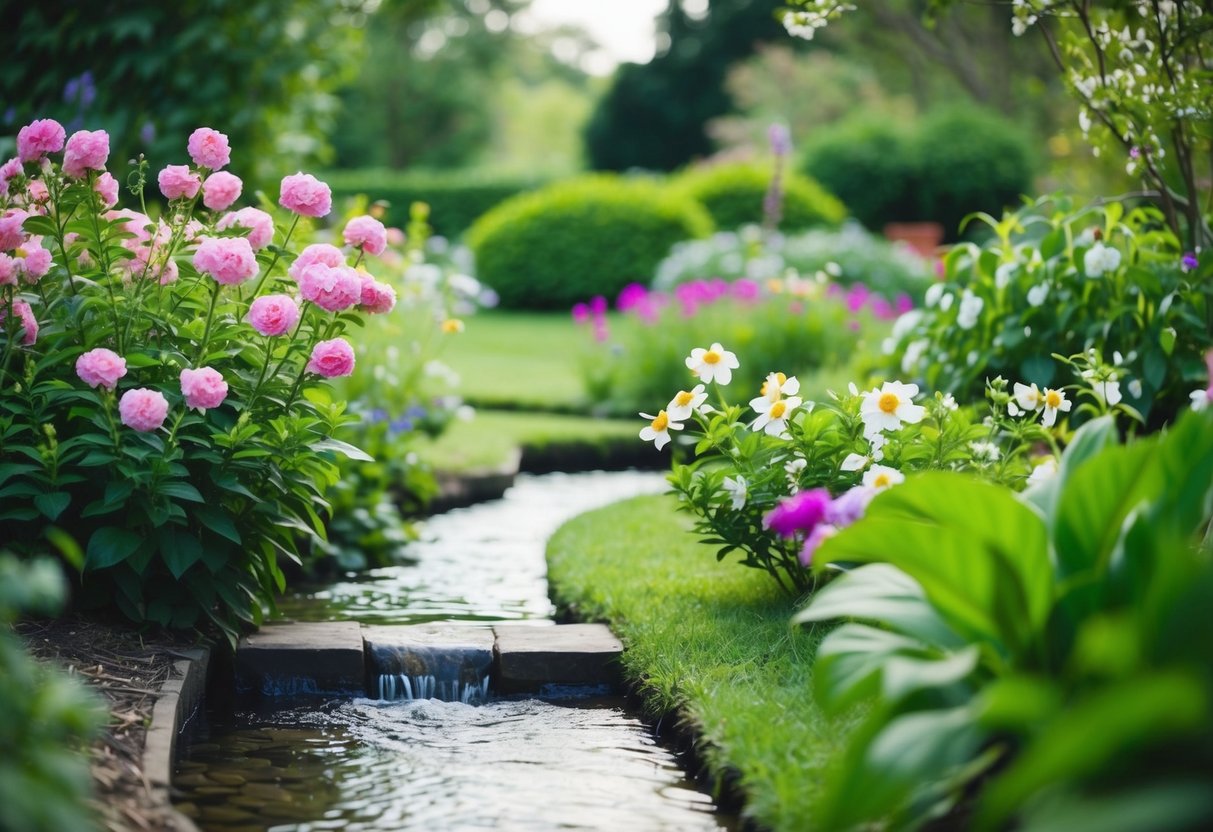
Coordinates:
(709,644)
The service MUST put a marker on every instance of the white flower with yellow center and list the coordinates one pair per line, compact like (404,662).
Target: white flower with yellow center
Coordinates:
(658,430)
(685,403)
(890,405)
(735,487)
(1054,400)
(713,364)
(1028,398)
(778,385)
(857,462)
(881,477)
(773,415)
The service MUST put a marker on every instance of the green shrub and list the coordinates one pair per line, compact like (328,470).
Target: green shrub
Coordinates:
(733,195)
(969,160)
(456,199)
(587,236)
(870,165)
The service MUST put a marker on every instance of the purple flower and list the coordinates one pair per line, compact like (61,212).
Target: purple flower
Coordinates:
(1188,262)
(147,133)
(631,296)
(821,532)
(904,303)
(746,289)
(857,297)
(581,313)
(849,506)
(798,513)
(882,309)
(598,305)
(780,138)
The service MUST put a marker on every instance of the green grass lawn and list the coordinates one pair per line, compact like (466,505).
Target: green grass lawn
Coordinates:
(711,640)
(489,440)
(526,360)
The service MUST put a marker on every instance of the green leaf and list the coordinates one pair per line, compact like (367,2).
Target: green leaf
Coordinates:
(179,549)
(881,593)
(1169,807)
(217,520)
(67,546)
(181,490)
(1089,440)
(108,546)
(53,504)
(342,447)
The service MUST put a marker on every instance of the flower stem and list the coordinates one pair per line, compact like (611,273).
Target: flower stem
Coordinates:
(210,315)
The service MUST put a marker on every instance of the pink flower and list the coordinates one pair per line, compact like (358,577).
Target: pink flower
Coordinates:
(230,260)
(148,262)
(366,233)
(259,224)
(377,298)
(209,149)
(798,513)
(86,150)
(136,223)
(39,138)
(305,194)
(37,259)
(332,359)
(142,409)
(331,289)
(107,186)
(194,230)
(37,195)
(203,388)
(177,181)
(821,532)
(10,270)
(9,170)
(273,314)
(12,235)
(101,368)
(316,253)
(220,190)
(29,324)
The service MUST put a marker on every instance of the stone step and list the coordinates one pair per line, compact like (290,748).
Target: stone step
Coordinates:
(328,659)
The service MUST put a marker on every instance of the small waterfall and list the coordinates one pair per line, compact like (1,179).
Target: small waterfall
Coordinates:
(412,669)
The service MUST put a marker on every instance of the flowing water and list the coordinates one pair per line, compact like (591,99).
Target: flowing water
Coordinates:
(508,764)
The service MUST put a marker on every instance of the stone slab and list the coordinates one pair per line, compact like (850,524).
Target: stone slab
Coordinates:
(438,634)
(302,659)
(530,658)
(178,701)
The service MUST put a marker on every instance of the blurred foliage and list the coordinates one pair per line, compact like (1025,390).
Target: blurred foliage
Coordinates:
(44,777)
(733,195)
(149,72)
(587,236)
(456,198)
(654,115)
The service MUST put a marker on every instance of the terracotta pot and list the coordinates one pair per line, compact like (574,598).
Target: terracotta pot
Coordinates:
(923,237)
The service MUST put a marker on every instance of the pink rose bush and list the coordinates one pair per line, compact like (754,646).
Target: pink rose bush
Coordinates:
(165,369)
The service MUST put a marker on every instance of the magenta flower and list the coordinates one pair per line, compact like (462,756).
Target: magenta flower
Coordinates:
(332,359)
(273,315)
(260,225)
(366,233)
(178,181)
(100,368)
(203,388)
(209,148)
(798,513)
(86,150)
(821,532)
(330,256)
(39,138)
(631,296)
(107,187)
(581,313)
(230,260)
(332,289)
(142,409)
(220,190)
(306,195)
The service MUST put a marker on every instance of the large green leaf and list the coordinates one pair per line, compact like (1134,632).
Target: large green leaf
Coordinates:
(179,548)
(1095,733)
(109,545)
(979,554)
(850,661)
(1089,440)
(1173,807)
(881,593)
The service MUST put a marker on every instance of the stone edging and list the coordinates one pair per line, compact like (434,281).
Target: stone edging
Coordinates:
(176,704)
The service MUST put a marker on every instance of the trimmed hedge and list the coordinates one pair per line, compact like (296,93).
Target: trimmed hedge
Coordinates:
(587,236)
(456,199)
(733,195)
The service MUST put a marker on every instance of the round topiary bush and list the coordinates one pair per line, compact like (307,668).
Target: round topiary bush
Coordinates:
(733,195)
(588,236)
(970,160)
(871,165)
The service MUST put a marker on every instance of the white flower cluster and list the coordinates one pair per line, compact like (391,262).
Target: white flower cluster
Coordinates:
(815,15)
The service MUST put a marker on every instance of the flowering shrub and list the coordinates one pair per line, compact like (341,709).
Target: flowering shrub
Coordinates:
(792,323)
(162,377)
(1065,284)
(849,256)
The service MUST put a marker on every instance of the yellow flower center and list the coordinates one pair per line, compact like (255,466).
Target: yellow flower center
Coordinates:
(684,398)
(881,480)
(452,325)
(780,379)
(1052,399)
(711,357)
(889,402)
(778,409)
(661,422)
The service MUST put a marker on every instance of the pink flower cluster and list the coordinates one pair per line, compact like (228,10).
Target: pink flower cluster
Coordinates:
(377,298)
(366,233)
(100,368)
(593,313)
(229,260)
(28,326)
(859,296)
(332,289)
(39,138)
(273,315)
(86,150)
(142,409)
(221,189)
(260,225)
(179,182)
(209,149)
(332,359)
(305,195)
(203,388)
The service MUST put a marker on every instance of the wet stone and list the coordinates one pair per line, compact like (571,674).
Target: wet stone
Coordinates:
(529,658)
(301,659)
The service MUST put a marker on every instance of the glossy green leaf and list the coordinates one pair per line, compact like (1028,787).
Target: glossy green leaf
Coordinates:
(108,546)
(346,448)
(52,504)
(179,549)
